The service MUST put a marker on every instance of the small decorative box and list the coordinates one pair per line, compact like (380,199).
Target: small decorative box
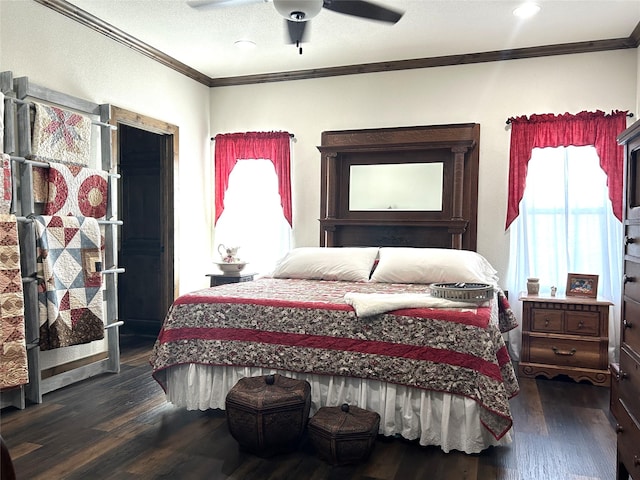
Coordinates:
(268,414)
(343,435)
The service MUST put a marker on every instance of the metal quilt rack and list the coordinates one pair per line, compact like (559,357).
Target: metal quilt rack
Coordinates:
(20,94)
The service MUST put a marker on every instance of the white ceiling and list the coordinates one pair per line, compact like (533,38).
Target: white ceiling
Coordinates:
(203,38)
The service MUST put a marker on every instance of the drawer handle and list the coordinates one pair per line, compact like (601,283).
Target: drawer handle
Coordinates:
(628,240)
(622,375)
(626,323)
(619,428)
(580,324)
(546,322)
(636,461)
(564,352)
(627,278)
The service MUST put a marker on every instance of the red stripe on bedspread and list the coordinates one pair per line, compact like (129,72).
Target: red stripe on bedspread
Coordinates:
(415,352)
(306,326)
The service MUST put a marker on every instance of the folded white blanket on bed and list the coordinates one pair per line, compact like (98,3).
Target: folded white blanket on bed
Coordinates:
(367,304)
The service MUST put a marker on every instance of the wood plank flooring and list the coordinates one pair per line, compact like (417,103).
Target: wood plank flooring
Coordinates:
(119,426)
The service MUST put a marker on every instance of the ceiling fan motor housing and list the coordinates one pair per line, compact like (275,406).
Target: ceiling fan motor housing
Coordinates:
(298,10)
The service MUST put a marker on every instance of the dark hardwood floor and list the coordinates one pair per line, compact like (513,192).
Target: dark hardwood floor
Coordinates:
(119,426)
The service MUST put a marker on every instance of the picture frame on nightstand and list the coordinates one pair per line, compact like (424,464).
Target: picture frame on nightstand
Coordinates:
(582,285)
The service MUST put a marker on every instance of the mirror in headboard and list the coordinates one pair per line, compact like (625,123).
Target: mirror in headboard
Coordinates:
(405,186)
(398,186)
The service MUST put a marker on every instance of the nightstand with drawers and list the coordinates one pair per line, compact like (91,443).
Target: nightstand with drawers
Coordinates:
(565,336)
(216,279)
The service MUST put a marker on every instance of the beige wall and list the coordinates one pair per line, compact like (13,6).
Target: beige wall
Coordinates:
(63,55)
(637,110)
(58,53)
(486,93)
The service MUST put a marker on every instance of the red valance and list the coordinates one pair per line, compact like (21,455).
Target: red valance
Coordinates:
(274,146)
(549,130)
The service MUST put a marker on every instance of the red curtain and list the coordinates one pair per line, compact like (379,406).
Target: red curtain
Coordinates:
(274,146)
(549,130)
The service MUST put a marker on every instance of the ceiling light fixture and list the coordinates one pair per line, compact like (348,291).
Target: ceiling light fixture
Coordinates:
(298,10)
(245,44)
(527,10)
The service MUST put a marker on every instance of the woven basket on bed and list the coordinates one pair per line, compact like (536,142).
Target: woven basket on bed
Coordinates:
(473,292)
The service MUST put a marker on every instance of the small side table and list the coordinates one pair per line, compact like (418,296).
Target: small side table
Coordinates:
(565,335)
(216,279)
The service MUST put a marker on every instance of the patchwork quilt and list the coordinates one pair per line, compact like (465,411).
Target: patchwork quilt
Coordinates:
(40,184)
(61,135)
(13,352)
(1,122)
(306,326)
(70,296)
(77,191)
(5,184)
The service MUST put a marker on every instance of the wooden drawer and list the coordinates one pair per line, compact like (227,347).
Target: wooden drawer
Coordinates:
(614,393)
(631,320)
(632,280)
(629,442)
(565,351)
(546,321)
(582,323)
(565,336)
(632,246)
(629,384)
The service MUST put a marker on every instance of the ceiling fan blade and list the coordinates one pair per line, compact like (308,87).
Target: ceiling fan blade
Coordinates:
(210,4)
(363,9)
(296,31)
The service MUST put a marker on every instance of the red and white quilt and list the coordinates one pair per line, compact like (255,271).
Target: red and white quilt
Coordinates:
(70,297)
(76,190)
(13,351)
(6,185)
(61,135)
(306,326)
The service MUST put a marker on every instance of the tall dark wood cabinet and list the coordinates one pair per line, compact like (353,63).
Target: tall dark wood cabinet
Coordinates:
(627,390)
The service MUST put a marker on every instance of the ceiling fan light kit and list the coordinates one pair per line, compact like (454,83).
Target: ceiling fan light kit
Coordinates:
(245,44)
(527,10)
(298,10)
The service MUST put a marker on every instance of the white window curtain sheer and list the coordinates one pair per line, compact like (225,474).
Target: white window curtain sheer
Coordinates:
(566,225)
(253,218)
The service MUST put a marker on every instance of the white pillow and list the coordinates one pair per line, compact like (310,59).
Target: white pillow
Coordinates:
(352,264)
(432,265)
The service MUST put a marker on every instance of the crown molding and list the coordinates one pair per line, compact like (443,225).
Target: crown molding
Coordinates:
(85,18)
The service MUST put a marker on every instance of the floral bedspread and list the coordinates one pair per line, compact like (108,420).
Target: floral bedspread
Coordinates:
(306,326)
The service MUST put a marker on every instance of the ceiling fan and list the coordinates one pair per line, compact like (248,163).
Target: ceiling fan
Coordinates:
(298,12)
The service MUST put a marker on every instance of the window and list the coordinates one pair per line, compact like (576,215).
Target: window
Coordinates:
(566,224)
(253,217)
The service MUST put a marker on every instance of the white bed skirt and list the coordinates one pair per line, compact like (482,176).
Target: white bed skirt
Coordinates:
(449,421)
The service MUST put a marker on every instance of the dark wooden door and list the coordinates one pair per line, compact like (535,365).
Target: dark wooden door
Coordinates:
(145,157)
(141,240)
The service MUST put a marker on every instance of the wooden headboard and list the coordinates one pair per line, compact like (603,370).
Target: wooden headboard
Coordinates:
(452,225)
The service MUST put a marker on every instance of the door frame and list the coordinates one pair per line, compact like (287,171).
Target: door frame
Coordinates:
(168,181)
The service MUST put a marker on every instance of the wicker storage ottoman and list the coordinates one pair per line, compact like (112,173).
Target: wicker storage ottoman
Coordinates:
(343,435)
(268,414)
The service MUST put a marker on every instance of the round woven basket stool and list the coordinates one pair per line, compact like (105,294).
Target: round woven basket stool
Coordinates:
(345,434)
(268,414)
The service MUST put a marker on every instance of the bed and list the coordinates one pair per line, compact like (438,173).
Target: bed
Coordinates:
(361,325)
